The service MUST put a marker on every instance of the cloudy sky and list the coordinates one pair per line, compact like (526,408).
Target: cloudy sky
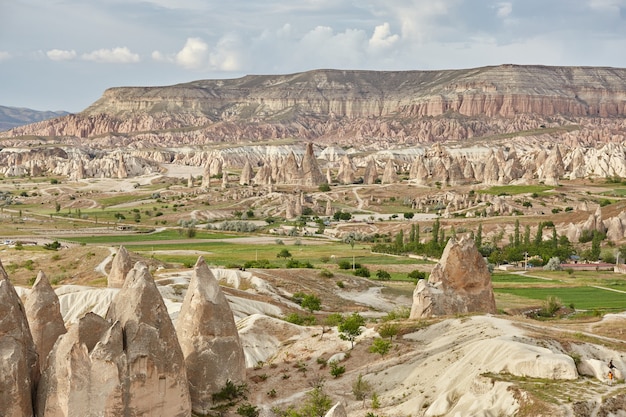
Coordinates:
(62,54)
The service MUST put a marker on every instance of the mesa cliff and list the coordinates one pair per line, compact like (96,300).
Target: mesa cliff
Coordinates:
(402,106)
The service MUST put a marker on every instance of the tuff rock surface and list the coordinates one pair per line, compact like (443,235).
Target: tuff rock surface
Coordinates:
(44,317)
(86,373)
(155,362)
(209,339)
(120,266)
(18,355)
(459,283)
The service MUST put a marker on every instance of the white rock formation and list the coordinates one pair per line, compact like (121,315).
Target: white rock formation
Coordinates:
(18,356)
(209,339)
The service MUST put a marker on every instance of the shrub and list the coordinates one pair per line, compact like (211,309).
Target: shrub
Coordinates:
(337,370)
(361,388)
(230,392)
(381,346)
(344,264)
(300,320)
(52,245)
(248,410)
(383,275)
(416,275)
(362,272)
(325,273)
(340,284)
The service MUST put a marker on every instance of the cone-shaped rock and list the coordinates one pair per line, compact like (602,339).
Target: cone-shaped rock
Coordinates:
(157,381)
(44,317)
(208,338)
(345,174)
(390,175)
(311,172)
(120,266)
(18,357)
(86,372)
(371,174)
(246,174)
(459,283)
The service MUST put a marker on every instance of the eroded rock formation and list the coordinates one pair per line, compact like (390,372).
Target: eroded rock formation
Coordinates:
(153,354)
(18,355)
(86,373)
(44,317)
(209,339)
(459,283)
(120,266)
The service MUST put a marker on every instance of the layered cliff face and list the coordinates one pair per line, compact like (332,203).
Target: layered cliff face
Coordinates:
(395,105)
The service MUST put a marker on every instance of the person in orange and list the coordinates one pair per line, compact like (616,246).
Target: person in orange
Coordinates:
(611,377)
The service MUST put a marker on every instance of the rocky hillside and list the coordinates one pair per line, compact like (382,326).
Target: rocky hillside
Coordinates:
(341,106)
(11,117)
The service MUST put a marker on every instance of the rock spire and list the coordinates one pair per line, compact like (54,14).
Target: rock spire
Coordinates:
(209,339)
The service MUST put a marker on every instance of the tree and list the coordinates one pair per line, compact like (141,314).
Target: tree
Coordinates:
(436,226)
(284,253)
(361,388)
(416,275)
(479,236)
(516,234)
(311,303)
(383,275)
(409,215)
(388,330)
(350,328)
(317,403)
(381,346)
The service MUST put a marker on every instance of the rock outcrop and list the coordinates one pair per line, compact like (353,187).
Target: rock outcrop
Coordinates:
(154,358)
(44,317)
(459,283)
(120,266)
(18,355)
(86,373)
(209,339)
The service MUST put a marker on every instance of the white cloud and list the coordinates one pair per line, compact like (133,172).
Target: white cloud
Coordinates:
(227,55)
(607,5)
(61,55)
(115,56)
(382,37)
(504,9)
(194,55)
(4,55)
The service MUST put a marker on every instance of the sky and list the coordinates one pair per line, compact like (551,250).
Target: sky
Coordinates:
(63,54)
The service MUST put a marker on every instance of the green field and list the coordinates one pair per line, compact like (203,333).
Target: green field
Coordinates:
(164,235)
(583,298)
(515,278)
(516,189)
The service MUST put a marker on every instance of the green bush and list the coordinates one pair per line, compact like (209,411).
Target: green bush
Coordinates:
(362,272)
(337,370)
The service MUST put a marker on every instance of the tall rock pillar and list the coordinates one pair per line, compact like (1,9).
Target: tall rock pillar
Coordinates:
(209,339)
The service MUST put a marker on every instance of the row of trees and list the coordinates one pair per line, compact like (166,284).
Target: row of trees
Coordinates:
(522,244)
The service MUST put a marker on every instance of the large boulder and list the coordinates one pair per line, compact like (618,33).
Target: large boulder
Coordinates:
(43,311)
(120,266)
(157,380)
(86,372)
(209,339)
(460,283)
(18,356)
